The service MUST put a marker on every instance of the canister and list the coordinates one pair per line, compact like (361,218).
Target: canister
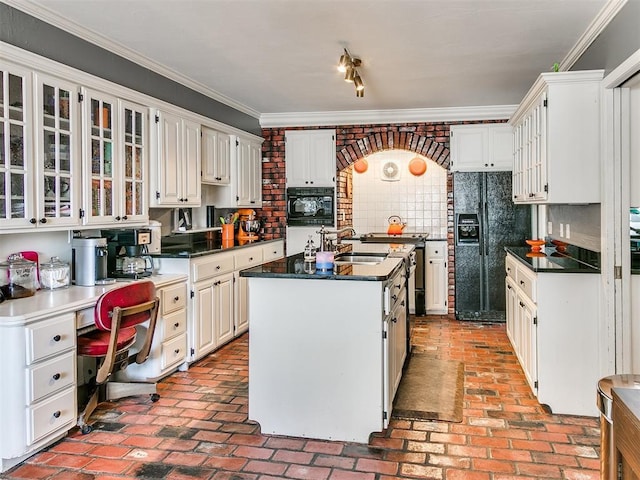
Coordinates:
(18,278)
(55,274)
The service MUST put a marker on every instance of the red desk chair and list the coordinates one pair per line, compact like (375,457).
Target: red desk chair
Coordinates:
(117,313)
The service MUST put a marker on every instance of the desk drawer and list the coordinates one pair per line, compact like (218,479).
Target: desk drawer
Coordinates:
(50,337)
(174,351)
(436,249)
(50,415)
(212,265)
(50,376)
(173,298)
(249,257)
(174,324)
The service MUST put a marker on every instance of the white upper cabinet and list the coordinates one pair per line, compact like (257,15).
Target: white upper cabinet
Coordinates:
(310,158)
(115,143)
(216,157)
(481,147)
(175,159)
(556,139)
(56,189)
(245,187)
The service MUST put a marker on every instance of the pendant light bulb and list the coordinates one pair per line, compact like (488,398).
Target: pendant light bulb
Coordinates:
(360,93)
(358,82)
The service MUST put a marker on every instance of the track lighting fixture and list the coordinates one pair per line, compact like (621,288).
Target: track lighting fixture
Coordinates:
(348,65)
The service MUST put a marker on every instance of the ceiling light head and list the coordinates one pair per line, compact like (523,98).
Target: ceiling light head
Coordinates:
(358,81)
(360,93)
(350,75)
(345,62)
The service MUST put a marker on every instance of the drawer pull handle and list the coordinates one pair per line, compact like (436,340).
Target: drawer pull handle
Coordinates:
(176,298)
(521,282)
(57,338)
(394,320)
(521,304)
(176,325)
(217,267)
(57,414)
(177,351)
(56,376)
(395,297)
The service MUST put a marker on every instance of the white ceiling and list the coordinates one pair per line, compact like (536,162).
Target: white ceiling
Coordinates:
(274,56)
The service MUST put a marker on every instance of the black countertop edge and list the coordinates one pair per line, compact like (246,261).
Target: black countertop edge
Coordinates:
(552,261)
(199,249)
(428,239)
(293,267)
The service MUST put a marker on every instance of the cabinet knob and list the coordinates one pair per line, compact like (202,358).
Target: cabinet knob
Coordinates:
(486,164)
(521,304)
(217,267)
(176,298)
(395,297)
(56,376)
(32,220)
(43,220)
(521,282)
(125,217)
(176,325)
(251,259)
(57,414)
(57,338)
(394,319)
(118,218)
(176,351)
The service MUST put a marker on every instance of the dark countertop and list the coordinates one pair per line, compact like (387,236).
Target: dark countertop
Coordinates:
(196,245)
(578,261)
(293,267)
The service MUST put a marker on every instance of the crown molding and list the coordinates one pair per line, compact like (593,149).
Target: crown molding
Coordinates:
(595,28)
(366,117)
(52,18)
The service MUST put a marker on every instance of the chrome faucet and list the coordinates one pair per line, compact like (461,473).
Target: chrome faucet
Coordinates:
(327,244)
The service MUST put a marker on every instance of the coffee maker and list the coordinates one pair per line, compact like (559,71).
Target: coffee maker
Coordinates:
(89,261)
(128,252)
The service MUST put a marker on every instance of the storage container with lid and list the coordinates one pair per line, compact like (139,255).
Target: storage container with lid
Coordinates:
(55,274)
(18,277)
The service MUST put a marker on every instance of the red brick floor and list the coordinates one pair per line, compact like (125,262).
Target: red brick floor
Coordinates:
(199,429)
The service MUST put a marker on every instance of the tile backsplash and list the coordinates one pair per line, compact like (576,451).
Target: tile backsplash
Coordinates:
(421,201)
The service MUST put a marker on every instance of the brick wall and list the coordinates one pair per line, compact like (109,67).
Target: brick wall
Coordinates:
(352,143)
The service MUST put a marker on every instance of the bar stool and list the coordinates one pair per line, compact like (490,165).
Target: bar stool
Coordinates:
(117,314)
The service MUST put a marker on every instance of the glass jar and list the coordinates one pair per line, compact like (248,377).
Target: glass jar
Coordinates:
(18,278)
(54,274)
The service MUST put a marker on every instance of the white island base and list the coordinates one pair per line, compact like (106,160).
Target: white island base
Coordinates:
(317,361)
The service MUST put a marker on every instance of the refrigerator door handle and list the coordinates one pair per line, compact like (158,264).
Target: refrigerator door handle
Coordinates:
(484,234)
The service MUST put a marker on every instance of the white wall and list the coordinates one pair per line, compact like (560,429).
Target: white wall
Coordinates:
(421,201)
(47,244)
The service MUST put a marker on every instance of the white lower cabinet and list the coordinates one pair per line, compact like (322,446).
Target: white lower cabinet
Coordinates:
(38,364)
(218,312)
(436,275)
(169,345)
(552,324)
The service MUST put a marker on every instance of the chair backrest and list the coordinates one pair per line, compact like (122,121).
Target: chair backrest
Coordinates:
(129,295)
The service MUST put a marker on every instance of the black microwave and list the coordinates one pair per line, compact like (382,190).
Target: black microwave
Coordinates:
(310,206)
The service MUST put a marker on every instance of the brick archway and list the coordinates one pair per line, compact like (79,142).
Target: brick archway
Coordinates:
(371,143)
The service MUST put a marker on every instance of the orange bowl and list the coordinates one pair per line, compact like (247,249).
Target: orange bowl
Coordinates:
(417,166)
(361,165)
(560,245)
(535,244)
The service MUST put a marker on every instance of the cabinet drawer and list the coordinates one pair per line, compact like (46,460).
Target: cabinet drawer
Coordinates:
(174,351)
(50,337)
(249,257)
(173,298)
(526,281)
(435,250)
(51,415)
(273,251)
(174,324)
(510,267)
(50,376)
(211,266)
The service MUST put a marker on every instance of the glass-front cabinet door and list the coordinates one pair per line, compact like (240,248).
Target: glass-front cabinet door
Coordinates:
(16,169)
(133,205)
(57,153)
(98,139)
(115,139)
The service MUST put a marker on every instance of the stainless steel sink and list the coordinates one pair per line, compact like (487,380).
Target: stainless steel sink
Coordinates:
(359,258)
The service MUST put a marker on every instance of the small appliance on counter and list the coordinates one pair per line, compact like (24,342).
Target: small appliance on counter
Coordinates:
(89,261)
(249,225)
(155,246)
(128,252)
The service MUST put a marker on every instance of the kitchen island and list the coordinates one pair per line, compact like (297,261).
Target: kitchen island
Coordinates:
(326,349)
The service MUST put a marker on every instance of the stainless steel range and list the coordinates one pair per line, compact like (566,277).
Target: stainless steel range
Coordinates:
(418,239)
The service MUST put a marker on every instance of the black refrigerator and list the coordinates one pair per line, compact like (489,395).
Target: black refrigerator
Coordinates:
(486,220)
